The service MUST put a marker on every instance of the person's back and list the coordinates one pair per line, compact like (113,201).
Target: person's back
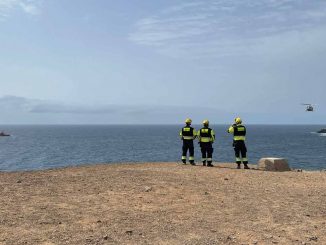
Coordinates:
(206,137)
(187,135)
(239,136)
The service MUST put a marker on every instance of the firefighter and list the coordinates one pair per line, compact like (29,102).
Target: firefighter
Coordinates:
(206,137)
(187,135)
(239,137)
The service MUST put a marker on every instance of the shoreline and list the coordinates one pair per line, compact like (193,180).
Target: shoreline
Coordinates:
(162,203)
(229,165)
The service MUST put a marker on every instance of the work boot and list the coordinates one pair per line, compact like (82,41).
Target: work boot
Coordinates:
(184,162)
(192,163)
(246,166)
(238,167)
(210,165)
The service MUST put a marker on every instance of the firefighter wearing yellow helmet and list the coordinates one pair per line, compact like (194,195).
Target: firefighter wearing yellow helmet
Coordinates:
(187,135)
(206,137)
(239,137)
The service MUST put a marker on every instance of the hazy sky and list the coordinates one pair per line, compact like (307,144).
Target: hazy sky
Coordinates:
(145,61)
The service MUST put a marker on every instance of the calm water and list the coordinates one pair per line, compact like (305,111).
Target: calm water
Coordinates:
(41,147)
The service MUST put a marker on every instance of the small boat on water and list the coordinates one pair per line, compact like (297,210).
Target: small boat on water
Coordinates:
(3,134)
(322,131)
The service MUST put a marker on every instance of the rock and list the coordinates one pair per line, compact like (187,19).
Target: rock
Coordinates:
(147,188)
(230,237)
(273,164)
(89,239)
(129,232)
(313,238)
(226,179)
(19,181)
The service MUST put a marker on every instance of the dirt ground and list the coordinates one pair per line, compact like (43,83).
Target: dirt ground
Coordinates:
(162,203)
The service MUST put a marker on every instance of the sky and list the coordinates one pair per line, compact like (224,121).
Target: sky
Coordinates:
(144,61)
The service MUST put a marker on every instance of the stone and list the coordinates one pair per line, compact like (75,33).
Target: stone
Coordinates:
(129,232)
(313,238)
(273,164)
(147,188)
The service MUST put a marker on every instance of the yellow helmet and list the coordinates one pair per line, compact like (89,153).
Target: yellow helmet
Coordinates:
(238,120)
(205,122)
(188,120)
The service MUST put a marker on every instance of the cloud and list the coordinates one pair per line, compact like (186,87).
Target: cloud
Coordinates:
(30,7)
(225,27)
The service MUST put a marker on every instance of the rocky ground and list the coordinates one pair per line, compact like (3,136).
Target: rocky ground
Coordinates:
(162,203)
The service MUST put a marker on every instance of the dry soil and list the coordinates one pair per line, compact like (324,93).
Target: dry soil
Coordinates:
(162,203)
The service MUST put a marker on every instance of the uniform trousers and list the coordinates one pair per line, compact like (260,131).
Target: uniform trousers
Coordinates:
(206,152)
(188,145)
(240,151)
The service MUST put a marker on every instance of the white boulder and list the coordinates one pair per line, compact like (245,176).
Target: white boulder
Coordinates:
(273,164)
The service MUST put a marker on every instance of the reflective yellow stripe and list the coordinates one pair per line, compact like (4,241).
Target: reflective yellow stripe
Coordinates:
(183,157)
(186,129)
(188,137)
(238,159)
(203,159)
(204,130)
(209,159)
(213,135)
(205,139)
(194,133)
(245,159)
(239,138)
(191,158)
(241,129)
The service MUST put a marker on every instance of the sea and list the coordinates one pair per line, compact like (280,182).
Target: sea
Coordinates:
(53,146)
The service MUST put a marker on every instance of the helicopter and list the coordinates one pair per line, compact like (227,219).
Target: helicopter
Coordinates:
(309,107)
